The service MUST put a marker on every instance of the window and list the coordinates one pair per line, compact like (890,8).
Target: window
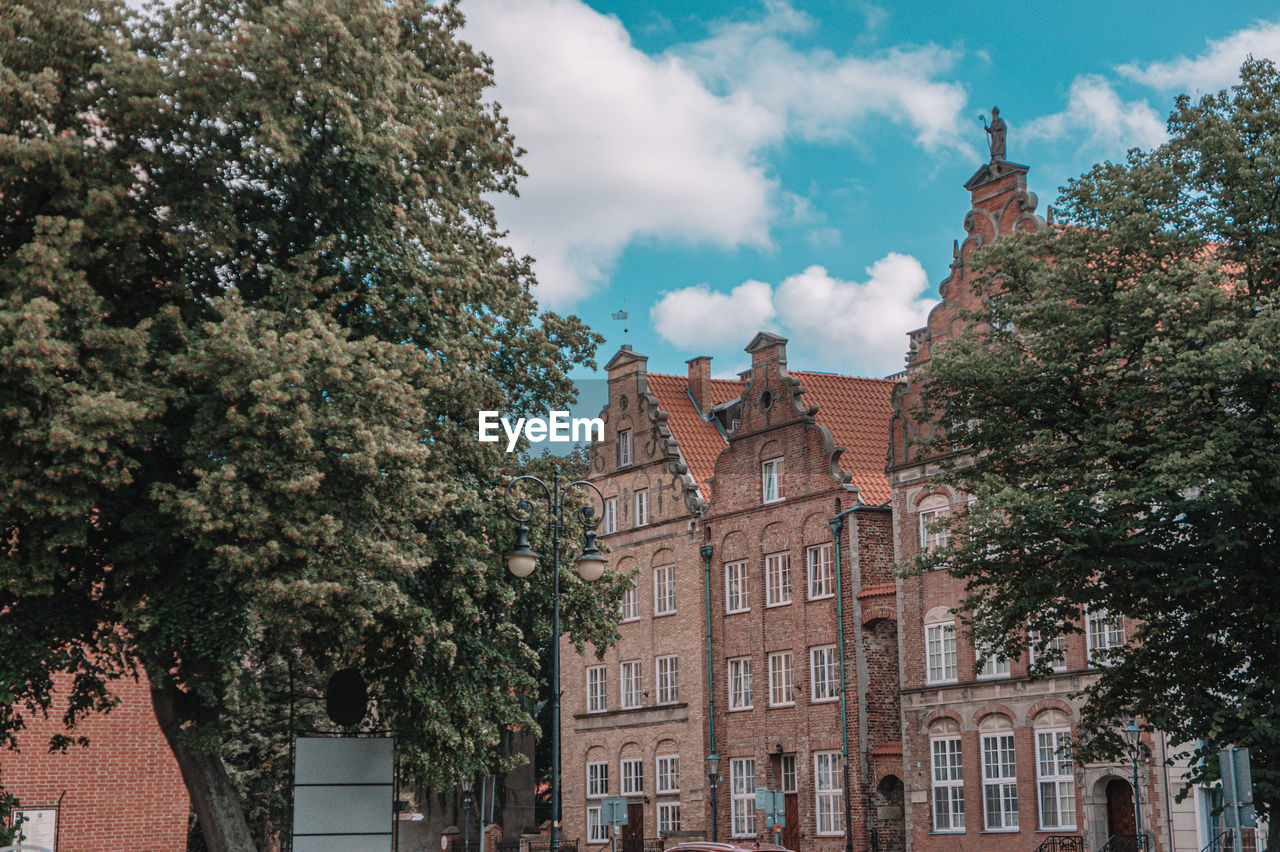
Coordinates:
(989,666)
(735,587)
(1055,650)
(824,673)
(940,652)
(642,507)
(999,783)
(780,679)
(668,817)
(631,602)
(1105,633)
(822,583)
(828,792)
(664,590)
(610,520)
(624,447)
(742,790)
(630,694)
(788,773)
(598,779)
(668,679)
(933,532)
(632,777)
(771,481)
(669,773)
(740,683)
(596,831)
(777,579)
(948,784)
(596,702)
(1055,779)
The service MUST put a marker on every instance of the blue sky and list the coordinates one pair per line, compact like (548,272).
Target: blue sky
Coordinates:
(726,167)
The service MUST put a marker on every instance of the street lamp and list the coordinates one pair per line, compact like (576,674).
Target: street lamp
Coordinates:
(713,774)
(466,814)
(1133,737)
(521,562)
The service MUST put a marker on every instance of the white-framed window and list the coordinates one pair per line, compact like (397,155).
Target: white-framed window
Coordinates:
(631,602)
(664,590)
(1055,650)
(597,832)
(735,587)
(824,673)
(668,773)
(948,784)
(624,447)
(668,817)
(990,666)
(828,792)
(780,679)
(642,507)
(1055,780)
(999,783)
(789,773)
(740,683)
(598,779)
(777,579)
(940,652)
(742,791)
(609,523)
(629,694)
(771,481)
(668,679)
(934,534)
(597,701)
(1105,633)
(822,583)
(632,776)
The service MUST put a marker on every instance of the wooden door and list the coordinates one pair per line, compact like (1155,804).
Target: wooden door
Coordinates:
(1120,819)
(791,812)
(633,831)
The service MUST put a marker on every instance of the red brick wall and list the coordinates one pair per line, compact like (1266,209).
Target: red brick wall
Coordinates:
(123,791)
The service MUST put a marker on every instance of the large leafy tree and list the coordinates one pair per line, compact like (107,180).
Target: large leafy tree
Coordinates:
(251,295)
(1117,396)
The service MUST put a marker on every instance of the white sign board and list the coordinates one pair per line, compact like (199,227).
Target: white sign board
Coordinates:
(39,826)
(343,794)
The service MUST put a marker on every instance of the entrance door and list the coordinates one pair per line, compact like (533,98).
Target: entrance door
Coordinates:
(1120,808)
(791,812)
(633,831)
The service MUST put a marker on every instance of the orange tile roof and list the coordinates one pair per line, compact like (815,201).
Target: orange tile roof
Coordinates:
(857,411)
(877,589)
(890,748)
(700,441)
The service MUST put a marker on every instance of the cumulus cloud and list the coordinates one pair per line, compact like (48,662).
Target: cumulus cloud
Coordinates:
(1217,67)
(1094,108)
(856,326)
(700,315)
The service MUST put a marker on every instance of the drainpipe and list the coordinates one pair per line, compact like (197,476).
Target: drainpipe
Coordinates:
(860,664)
(706,552)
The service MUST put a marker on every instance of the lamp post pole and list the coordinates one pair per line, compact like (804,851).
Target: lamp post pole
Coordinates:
(1133,736)
(521,562)
(466,814)
(713,775)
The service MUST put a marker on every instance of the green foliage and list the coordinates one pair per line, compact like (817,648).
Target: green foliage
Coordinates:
(1118,396)
(251,296)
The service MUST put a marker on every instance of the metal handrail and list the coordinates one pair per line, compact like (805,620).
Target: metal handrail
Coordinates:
(1223,842)
(1125,843)
(1062,843)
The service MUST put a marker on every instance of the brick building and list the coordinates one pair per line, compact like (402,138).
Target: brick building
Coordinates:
(981,758)
(721,494)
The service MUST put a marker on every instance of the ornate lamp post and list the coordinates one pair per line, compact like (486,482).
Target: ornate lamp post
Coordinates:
(1133,737)
(466,814)
(713,775)
(521,562)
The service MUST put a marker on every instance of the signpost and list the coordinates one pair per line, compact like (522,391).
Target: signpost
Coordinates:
(613,812)
(773,804)
(1237,788)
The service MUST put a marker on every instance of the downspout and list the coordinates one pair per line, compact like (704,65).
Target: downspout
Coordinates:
(706,552)
(860,664)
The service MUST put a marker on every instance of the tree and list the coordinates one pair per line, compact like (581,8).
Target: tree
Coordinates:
(251,295)
(1117,399)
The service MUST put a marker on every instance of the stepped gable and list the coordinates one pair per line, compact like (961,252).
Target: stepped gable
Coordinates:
(700,441)
(856,411)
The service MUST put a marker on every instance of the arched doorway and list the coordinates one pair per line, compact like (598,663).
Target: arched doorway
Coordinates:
(1120,817)
(890,825)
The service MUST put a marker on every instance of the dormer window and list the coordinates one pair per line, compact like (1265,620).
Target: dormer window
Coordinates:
(771,481)
(624,447)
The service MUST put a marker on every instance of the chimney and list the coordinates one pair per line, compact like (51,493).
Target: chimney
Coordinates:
(700,383)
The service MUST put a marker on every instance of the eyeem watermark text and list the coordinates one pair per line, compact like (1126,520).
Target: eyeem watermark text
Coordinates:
(557,427)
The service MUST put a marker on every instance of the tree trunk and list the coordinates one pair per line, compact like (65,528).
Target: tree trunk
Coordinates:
(213,797)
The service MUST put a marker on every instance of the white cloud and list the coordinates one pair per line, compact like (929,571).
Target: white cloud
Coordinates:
(1094,108)
(852,326)
(698,316)
(1216,68)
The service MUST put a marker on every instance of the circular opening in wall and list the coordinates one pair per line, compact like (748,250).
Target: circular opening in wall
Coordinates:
(766,400)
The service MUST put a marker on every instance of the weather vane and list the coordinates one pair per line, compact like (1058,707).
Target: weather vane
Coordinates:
(622,315)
